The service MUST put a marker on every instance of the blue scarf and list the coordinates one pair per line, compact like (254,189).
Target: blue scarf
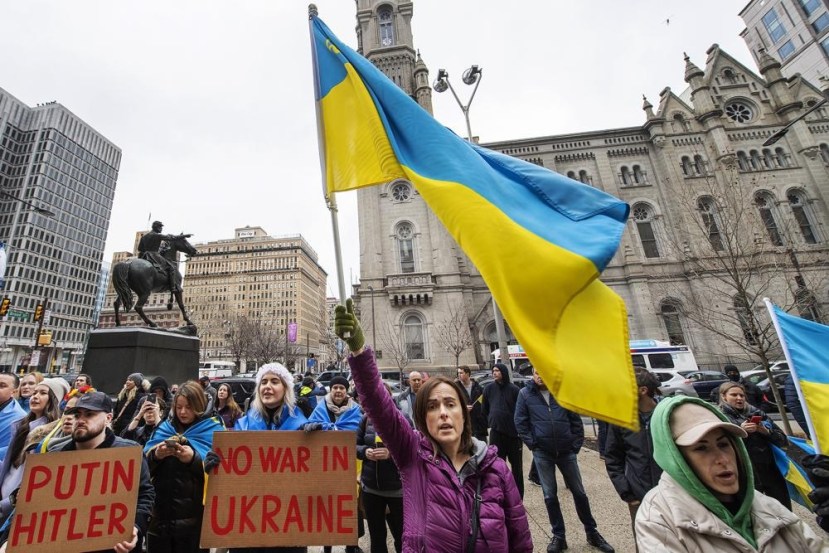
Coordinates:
(199,436)
(10,414)
(348,420)
(287,420)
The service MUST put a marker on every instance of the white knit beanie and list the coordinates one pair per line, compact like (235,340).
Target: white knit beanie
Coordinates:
(279,370)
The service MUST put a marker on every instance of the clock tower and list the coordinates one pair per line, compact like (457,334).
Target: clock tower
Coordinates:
(415,280)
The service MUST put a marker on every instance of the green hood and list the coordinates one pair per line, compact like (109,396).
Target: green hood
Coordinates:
(667,455)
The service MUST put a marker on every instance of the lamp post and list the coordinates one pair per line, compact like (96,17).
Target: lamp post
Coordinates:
(472,76)
(373,325)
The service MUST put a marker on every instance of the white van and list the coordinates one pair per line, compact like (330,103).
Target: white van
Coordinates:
(216,369)
(517,358)
(657,354)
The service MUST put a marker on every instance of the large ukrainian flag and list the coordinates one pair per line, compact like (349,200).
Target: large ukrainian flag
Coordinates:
(539,239)
(806,345)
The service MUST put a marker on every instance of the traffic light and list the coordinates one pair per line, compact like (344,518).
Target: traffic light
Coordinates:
(38,312)
(4,306)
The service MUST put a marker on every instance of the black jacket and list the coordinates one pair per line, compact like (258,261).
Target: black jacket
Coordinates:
(753,394)
(376,475)
(499,403)
(124,411)
(629,460)
(479,423)
(550,428)
(141,435)
(179,487)
(146,493)
(794,406)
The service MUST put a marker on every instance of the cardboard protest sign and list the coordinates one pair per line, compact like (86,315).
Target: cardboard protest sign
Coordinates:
(281,489)
(75,501)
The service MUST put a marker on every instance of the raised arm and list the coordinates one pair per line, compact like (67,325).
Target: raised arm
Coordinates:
(379,406)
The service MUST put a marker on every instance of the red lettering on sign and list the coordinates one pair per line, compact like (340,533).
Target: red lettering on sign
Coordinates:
(271,506)
(343,513)
(269,458)
(42,531)
(325,513)
(303,454)
(38,478)
(90,470)
(105,479)
(117,516)
(95,520)
(244,513)
(294,515)
(214,521)
(59,492)
(340,458)
(57,518)
(123,474)
(22,529)
(73,534)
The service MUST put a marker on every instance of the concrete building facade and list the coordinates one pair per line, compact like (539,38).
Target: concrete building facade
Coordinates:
(58,178)
(709,137)
(276,281)
(795,32)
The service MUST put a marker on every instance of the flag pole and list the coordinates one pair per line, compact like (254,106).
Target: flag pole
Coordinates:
(793,370)
(330,200)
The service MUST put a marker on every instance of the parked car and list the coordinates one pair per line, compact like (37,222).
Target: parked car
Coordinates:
(705,381)
(325,377)
(769,404)
(243,387)
(673,382)
(517,379)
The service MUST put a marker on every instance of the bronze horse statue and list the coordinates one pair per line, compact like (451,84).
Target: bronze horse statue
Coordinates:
(140,276)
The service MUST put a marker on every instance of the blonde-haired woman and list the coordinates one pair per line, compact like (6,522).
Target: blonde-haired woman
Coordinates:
(127,402)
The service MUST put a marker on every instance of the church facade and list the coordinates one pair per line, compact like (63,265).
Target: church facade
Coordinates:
(704,194)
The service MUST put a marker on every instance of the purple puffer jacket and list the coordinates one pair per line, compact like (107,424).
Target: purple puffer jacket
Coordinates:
(437,507)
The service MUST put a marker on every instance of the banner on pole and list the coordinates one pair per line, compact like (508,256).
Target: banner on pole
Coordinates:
(76,501)
(292,332)
(281,489)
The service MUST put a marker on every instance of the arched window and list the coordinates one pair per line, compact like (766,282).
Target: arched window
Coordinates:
(685,165)
(680,124)
(670,311)
(824,153)
(643,217)
(571,175)
(743,313)
(765,206)
(413,337)
(384,16)
(742,161)
(699,165)
(405,247)
(728,76)
(625,176)
(768,159)
(638,175)
(782,158)
(585,178)
(708,211)
(799,207)
(756,164)
(491,335)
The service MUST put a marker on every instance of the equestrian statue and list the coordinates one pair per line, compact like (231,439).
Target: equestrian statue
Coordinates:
(154,270)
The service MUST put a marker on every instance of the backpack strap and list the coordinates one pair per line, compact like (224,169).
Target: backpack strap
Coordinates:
(473,537)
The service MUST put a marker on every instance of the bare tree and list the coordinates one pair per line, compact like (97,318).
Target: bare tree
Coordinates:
(738,250)
(238,336)
(453,332)
(395,348)
(266,341)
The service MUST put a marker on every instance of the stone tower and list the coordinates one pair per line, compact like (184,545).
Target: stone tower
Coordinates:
(414,277)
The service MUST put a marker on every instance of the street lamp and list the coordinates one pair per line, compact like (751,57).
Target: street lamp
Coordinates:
(33,207)
(782,132)
(373,326)
(472,76)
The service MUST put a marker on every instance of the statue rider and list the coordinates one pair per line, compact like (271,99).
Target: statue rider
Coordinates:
(152,246)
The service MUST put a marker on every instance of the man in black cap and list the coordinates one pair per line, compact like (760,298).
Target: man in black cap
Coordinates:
(93,413)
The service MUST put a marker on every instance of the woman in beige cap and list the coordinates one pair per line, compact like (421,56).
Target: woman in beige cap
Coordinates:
(705,500)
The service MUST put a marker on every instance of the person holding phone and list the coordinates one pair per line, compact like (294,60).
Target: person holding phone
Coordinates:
(176,453)
(142,426)
(761,433)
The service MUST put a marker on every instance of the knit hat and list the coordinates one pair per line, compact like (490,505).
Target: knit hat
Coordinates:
(690,422)
(57,385)
(341,380)
(275,368)
(138,379)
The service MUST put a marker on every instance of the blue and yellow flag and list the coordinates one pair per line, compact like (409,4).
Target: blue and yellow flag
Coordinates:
(539,239)
(797,482)
(806,345)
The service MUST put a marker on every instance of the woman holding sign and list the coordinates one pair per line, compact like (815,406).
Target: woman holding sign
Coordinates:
(273,408)
(458,494)
(175,453)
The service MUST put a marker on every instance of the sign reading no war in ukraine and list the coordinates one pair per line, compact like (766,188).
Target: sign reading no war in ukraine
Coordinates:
(76,501)
(281,489)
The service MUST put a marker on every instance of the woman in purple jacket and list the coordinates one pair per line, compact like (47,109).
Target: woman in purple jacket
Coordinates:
(443,468)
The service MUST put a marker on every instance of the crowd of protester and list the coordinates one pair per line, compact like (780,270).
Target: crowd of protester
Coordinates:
(441,465)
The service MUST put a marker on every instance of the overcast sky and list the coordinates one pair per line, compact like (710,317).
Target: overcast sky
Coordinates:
(211,102)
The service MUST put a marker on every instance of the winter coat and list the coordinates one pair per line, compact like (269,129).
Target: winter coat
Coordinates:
(348,420)
(288,420)
(550,428)
(10,413)
(146,492)
(794,406)
(753,394)
(438,500)
(406,401)
(628,458)
(140,435)
(479,423)
(670,519)
(124,411)
(682,514)
(229,418)
(499,403)
(380,476)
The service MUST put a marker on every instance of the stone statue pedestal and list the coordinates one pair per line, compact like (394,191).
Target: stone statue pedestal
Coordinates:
(113,354)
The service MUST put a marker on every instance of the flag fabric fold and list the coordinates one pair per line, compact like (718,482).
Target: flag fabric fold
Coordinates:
(806,346)
(539,239)
(797,481)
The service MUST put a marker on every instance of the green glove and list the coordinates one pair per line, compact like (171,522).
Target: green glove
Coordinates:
(347,327)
